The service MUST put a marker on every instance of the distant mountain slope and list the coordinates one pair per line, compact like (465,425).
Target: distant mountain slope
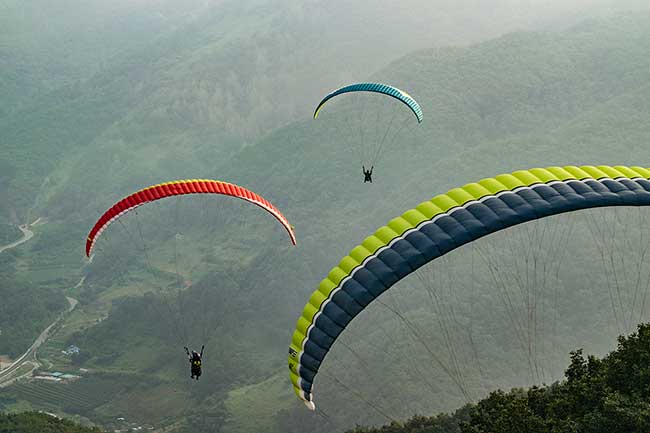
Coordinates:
(205,77)
(46,46)
(523,100)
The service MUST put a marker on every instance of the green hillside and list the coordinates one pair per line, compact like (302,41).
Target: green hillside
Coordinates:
(28,305)
(45,47)
(34,422)
(596,395)
(9,233)
(522,100)
(194,81)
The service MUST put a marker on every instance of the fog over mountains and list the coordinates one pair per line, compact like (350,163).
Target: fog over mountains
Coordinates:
(101,99)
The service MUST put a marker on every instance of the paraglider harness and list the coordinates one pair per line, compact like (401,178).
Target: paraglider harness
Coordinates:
(195,362)
(367,174)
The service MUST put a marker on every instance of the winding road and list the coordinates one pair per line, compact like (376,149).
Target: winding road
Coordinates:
(7,375)
(27,235)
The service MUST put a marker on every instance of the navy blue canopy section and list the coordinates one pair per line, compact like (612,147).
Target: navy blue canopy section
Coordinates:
(441,234)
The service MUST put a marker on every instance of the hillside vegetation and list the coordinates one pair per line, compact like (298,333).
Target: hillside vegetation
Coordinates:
(9,233)
(35,422)
(197,81)
(28,306)
(608,395)
(169,111)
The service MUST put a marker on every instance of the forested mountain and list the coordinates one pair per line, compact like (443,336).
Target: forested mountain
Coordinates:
(596,395)
(34,422)
(174,108)
(219,72)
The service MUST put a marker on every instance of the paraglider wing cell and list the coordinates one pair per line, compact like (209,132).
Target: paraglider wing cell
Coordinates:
(180,187)
(384,89)
(437,227)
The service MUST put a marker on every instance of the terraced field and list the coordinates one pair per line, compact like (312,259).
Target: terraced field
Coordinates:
(50,352)
(79,397)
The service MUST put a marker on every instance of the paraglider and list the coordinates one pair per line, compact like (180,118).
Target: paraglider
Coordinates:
(180,187)
(367,174)
(437,227)
(171,189)
(196,360)
(383,89)
(374,121)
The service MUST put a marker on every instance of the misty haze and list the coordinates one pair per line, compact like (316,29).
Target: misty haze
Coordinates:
(345,216)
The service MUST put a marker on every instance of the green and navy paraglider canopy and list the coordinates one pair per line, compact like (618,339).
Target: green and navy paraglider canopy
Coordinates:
(385,89)
(437,227)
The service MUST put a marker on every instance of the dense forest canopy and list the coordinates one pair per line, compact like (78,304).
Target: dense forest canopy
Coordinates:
(596,395)
(33,422)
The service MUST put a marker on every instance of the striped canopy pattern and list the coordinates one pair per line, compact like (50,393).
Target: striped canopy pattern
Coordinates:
(181,187)
(438,226)
(385,89)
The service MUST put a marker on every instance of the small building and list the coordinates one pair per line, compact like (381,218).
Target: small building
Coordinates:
(50,378)
(71,350)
